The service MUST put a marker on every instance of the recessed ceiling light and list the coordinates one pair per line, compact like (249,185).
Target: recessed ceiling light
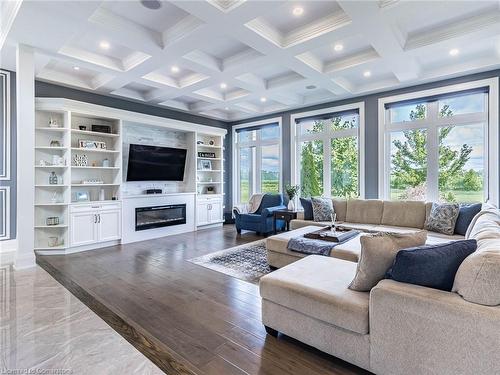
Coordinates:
(263,99)
(298,11)
(151,4)
(454,51)
(367,73)
(174,69)
(76,68)
(226,108)
(338,47)
(223,86)
(104,44)
(310,87)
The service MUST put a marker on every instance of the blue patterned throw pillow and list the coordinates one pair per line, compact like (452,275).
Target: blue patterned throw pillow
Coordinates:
(322,209)
(442,218)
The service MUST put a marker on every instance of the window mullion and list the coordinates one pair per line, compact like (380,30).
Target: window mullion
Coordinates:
(258,169)
(252,184)
(432,153)
(327,167)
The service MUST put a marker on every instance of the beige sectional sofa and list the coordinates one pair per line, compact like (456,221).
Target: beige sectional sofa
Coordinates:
(396,328)
(370,215)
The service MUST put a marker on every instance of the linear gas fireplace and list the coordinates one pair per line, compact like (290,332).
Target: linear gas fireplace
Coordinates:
(159,216)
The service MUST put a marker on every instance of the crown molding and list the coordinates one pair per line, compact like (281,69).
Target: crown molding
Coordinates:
(350,61)
(226,5)
(452,30)
(325,25)
(9,12)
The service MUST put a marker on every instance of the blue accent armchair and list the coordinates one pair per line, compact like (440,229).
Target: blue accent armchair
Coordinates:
(262,220)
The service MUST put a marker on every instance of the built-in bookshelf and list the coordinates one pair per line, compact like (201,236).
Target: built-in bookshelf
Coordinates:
(209,165)
(74,163)
(209,179)
(82,201)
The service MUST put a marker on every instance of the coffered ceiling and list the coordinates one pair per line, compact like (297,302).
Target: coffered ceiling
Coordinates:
(236,59)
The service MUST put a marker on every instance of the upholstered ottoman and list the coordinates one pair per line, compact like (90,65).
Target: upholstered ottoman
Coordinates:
(309,300)
(279,256)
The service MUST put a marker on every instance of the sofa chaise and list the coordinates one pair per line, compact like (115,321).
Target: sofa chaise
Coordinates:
(396,328)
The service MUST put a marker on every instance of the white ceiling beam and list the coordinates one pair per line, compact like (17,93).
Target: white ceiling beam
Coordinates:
(378,31)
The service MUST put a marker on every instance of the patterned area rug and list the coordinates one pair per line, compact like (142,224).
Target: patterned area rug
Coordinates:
(246,262)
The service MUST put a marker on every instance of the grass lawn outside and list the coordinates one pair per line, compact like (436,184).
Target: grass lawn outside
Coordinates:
(268,186)
(462,196)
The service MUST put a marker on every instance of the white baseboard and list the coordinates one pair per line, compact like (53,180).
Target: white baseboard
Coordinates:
(209,226)
(8,250)
(79,249)
(26,260)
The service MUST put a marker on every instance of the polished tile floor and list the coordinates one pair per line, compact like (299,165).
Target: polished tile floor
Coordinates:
(43,327)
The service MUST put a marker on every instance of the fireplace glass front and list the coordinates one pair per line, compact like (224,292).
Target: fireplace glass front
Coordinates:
(159,216)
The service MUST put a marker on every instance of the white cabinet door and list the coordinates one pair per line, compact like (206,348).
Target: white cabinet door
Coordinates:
(83,228)
(215,212)
(202,213)
(109,223)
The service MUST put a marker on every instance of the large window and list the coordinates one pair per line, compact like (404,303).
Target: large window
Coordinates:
(327,157)
(257,166)
(436,145)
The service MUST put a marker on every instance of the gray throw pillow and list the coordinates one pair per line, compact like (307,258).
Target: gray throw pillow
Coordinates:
(322,209)
(378,252)
(442,218)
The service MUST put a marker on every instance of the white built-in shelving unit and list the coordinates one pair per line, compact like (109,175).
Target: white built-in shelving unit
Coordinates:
(57,136)
(107,216)
(209,179)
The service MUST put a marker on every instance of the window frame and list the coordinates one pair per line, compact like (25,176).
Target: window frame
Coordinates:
(326,136)
(431,124)
(257,143)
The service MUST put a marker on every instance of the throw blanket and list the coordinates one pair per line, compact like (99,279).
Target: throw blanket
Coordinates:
(310,246)
(252,206)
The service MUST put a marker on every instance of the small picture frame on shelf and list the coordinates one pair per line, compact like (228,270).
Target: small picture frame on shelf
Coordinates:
(205,165)
(210,155)
(101,129)
(82,196)
(52,220)
(80,160)
(82,127)
(210,190)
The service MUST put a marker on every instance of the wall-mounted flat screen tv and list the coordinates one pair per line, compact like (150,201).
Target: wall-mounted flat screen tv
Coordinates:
(154,163)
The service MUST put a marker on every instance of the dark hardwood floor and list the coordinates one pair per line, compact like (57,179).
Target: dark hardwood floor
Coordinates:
(187,319)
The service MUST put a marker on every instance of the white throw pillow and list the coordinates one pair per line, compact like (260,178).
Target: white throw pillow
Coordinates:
(322,209)
(443,218)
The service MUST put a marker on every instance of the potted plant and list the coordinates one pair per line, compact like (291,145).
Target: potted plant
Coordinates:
(291,192)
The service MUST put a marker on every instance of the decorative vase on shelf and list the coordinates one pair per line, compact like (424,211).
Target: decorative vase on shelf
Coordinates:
(291,205)
(53,179)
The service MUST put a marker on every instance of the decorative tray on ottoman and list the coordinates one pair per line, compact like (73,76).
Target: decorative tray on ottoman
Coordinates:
(339,234)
